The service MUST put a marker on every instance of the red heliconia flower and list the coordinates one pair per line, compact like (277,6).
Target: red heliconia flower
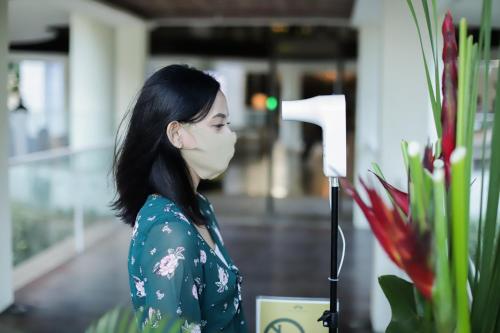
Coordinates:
(428,159)
(400,198)
(401,240)
(449,88)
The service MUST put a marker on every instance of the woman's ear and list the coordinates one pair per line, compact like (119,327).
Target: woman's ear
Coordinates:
(173,133)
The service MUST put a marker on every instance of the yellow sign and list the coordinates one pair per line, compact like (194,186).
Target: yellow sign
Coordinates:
(290,314)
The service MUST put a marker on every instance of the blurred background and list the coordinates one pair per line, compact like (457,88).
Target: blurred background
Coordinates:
(72,69)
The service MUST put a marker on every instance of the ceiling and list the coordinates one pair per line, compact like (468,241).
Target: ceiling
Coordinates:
(306,29)
(164,9)
(237,28)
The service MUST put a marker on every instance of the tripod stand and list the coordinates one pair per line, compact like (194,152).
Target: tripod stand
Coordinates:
(330,318)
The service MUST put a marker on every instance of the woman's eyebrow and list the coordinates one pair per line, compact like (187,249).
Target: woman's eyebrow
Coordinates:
(220,115)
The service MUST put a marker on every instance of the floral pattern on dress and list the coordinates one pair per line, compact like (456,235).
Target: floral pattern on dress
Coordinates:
(168,207)
(153,318)
(223,279)
(136,226)
(166,228)
(203,256)
(181,216)
(191,327)
(159,295)
(182,276)
(199,284)
(236,302)
(139,286)
(167,265)
(194,291)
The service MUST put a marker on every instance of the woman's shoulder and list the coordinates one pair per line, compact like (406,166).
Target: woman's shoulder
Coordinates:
(159,212)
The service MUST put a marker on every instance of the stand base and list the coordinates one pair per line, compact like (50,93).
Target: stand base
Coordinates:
(330,319)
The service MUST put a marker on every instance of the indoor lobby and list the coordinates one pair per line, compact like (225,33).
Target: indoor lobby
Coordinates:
(74,69)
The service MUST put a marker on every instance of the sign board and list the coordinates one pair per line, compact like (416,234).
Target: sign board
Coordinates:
(290,314)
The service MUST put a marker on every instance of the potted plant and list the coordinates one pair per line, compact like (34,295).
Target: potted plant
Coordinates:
(425,230)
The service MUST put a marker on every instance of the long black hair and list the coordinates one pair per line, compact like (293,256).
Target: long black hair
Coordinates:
(147,162)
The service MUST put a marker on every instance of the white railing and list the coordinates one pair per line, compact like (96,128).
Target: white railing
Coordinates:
(59,206)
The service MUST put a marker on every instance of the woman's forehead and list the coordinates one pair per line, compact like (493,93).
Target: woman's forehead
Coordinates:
(219,107)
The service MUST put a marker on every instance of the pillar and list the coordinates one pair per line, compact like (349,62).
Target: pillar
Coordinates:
(7,289)
(55,101)
(288,148)
(91,109)
(232,76)
(131,48)
(91,68)
(368,105)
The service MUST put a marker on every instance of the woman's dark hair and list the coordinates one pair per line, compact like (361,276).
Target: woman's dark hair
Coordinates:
(147,162)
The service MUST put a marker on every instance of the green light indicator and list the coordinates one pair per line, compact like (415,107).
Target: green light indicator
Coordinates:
(271,103)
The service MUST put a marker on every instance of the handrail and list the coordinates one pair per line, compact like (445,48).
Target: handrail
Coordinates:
(52,154)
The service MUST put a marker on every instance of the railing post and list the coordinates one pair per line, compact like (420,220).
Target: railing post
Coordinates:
(78,210)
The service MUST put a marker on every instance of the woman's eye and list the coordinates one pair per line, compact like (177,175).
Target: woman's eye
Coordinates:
(221,125)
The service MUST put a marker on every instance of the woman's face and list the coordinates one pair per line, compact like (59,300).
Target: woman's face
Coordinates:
(217,120)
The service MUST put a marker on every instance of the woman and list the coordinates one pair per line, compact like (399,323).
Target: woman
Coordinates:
(178,266)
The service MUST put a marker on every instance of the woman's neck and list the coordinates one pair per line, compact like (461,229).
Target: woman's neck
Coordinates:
(194,178)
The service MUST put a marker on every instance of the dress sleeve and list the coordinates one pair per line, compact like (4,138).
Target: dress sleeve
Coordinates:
(171,277)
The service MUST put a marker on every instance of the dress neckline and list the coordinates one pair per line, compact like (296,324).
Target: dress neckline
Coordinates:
(210,228)
(203,205)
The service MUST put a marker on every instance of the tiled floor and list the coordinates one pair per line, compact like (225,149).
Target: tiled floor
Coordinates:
(285,254)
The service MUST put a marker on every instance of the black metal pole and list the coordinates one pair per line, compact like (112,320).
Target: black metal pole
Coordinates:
(334,211)
(330,318)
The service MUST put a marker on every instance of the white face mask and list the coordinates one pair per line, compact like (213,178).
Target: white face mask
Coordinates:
(213,152)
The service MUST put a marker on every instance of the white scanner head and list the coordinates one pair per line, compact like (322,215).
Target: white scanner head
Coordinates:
(327,111)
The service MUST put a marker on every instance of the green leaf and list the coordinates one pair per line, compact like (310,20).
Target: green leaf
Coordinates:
(489,257)
(419,192)
(437,148)
(436,107)
(404,150)
(442,293)
(472,107)
(133,327)
(484,49)
(377,170)
(490,321)
(125,319)
(400,294)
(481,289)
(494,183)
(433,42)
(460,227)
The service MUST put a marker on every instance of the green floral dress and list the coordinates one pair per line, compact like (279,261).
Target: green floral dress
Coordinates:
(174,273)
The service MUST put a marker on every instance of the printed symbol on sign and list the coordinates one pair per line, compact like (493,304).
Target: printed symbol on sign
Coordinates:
(284,325)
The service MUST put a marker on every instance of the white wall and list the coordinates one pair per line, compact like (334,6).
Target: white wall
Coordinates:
(393,105)
(6,290)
